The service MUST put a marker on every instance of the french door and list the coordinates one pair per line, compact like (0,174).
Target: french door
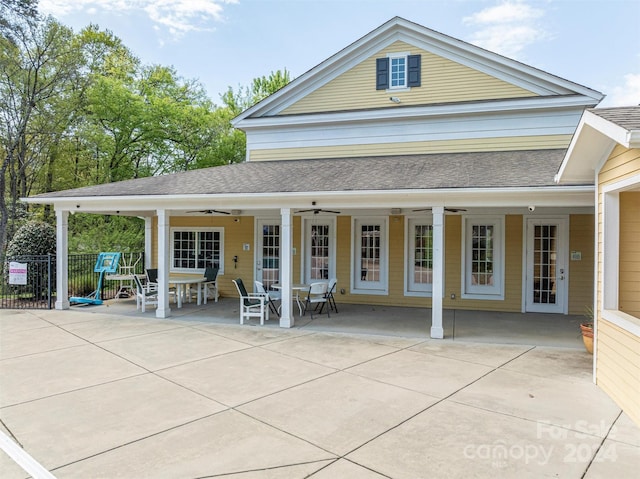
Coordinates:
(268,252)
(546,276)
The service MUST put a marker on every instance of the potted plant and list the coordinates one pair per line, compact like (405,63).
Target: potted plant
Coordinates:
(587,329)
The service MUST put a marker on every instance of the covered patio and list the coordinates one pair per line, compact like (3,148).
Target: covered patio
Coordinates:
(537,329)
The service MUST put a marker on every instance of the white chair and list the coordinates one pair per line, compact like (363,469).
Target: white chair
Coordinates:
(211,283)
(317,295)
(271,296)
(145,294)
(330,290)
(252,305)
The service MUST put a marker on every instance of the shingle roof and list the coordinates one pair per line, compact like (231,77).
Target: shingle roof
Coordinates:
(434,171)
(628,117)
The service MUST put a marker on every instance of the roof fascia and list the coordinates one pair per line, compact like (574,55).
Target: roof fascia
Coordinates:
(591,145)
(488,197)
(517,73)
(463,108)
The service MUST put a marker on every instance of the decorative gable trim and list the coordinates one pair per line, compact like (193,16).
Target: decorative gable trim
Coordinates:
(399,29)
(591,145)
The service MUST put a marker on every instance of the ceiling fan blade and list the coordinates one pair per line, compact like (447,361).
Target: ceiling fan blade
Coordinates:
(209,212)
(450,210)
(318,210)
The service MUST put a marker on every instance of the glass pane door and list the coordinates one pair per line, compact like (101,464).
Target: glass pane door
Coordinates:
(546,279)
(268,253)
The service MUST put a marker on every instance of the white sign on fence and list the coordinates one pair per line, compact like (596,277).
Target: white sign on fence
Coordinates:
(17,273)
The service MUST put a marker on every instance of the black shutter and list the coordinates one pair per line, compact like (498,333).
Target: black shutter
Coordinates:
(413,70)
(382,73)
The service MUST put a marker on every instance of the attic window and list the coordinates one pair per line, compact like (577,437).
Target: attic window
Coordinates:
(397,71)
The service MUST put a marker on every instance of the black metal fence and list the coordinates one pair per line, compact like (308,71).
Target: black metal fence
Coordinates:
(39,292)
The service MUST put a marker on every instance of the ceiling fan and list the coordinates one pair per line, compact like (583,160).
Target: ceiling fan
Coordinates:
(450,210)
(318,210)
(210,212)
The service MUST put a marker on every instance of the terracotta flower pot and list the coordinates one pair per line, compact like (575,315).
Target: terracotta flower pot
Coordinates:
(587,336)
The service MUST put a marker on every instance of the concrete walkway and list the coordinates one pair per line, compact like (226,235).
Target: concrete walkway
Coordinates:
(97,394)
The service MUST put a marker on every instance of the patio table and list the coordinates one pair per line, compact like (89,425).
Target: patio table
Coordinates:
(295,289)
(181,283)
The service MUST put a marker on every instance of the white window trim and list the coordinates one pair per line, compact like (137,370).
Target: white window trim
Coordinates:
(408,255)
(197,229)
(307,221)
(384,254)
(404,87)
(611,255)
(496,293)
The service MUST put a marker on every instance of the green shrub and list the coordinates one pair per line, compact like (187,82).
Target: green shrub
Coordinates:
(33,238)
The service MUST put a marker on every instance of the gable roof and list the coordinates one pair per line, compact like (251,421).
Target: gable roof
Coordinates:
(530,78)
(503,169)
(597,134)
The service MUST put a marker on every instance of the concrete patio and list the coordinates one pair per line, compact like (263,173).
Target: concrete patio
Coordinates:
(110,392)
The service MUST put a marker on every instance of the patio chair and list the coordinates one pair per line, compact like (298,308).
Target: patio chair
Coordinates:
(317,295)
(152,283)
(330,290)
(152,276)
(252,305)
(211,283)
(272,297)
(144,295)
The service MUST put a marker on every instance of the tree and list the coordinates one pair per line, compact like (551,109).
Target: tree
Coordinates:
(37,70)
(14,13)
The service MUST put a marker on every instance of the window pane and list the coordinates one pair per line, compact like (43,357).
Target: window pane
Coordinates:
(423,254)
(544,264)
(398,72)
(208,249)
(482,255)
(319,251)
(196,249)
(370,253)
(270,255)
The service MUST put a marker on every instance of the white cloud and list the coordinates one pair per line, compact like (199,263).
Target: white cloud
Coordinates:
(507,28)
(627,94)
(177,16)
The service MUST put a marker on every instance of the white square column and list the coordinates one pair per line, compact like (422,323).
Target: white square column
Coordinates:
(62,259)
(148,242)
(164,262)
(437,332)
(286,267)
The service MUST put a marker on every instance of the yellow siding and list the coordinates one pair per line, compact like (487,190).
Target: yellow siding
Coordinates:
(235,234)
(621,164)
(513,270)
(629,285)
(618,367)
(581,238)
(442,81)
(515,143)
(238,233)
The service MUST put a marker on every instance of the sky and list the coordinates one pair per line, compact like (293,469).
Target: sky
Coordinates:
(228,43)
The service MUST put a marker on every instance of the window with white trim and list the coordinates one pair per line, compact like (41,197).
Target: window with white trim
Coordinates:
(483,257)
(370,248)
(420,256)
(398,71)
(319,259)
(194,249)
